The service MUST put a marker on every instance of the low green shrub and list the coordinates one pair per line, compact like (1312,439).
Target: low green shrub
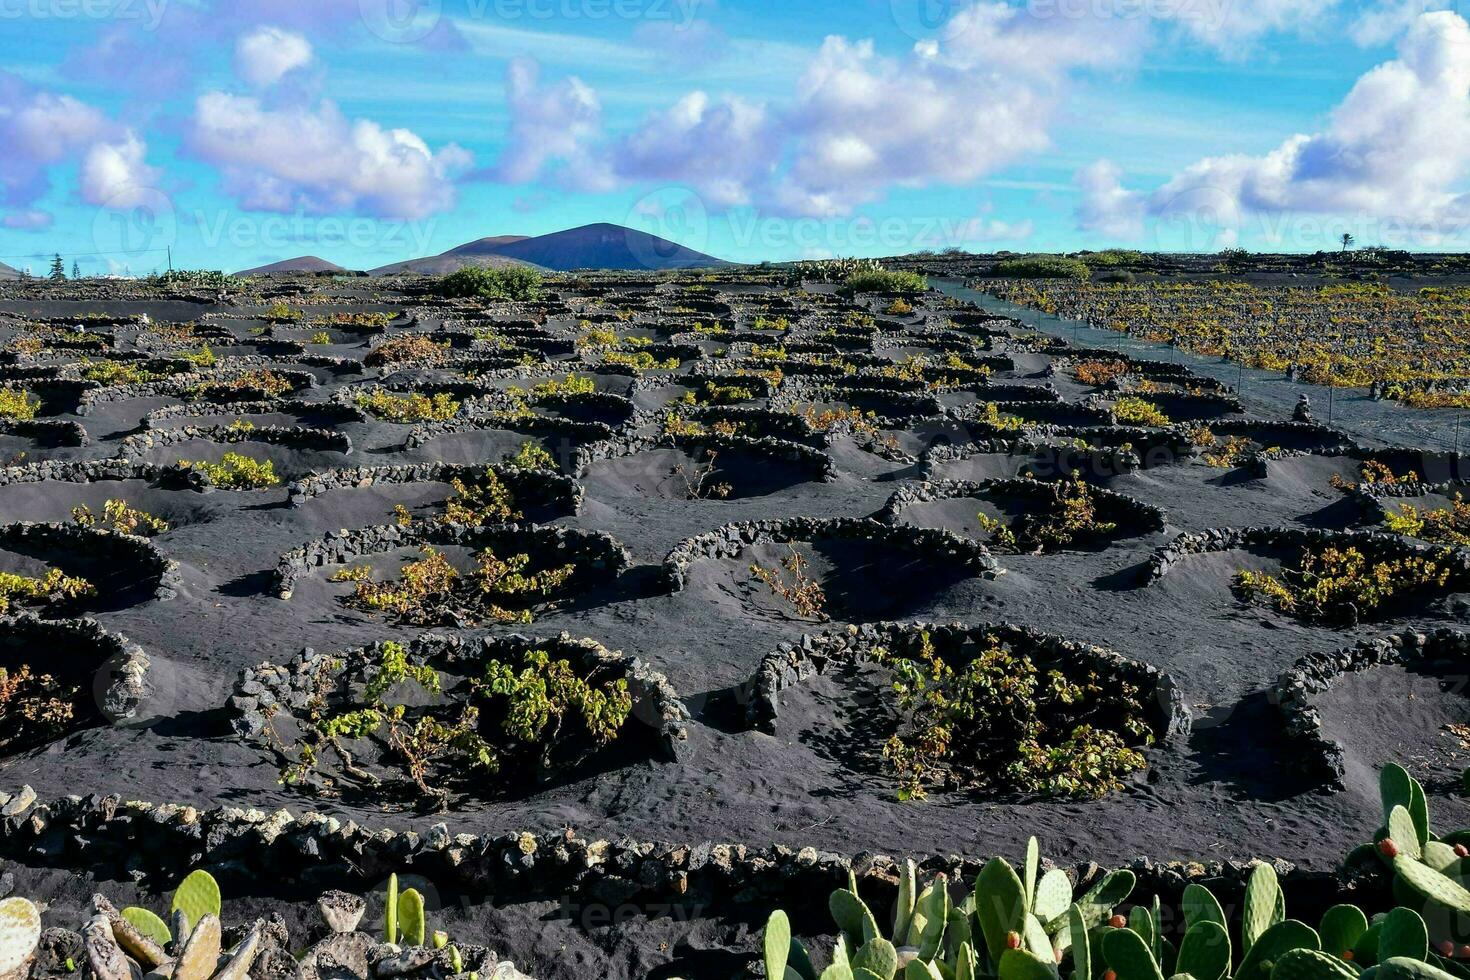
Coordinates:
(473,282)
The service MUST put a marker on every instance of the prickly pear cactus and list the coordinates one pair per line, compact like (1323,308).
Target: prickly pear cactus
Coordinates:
(1404,934)
(877,956)
(198,896)
(20,933)
(1402,968)
(776,942)
(411,918)
(148,924)
(1204,953)
(1311,964)
(390,911)
(1000,905)
(1262,893)
(1432,885)
(1342,926)
(1128,955)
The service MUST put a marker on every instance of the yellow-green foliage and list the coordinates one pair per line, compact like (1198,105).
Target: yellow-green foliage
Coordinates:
(413,348)
(1443,525)
(264,383)
(1068,517)
(1136,411)
(117,515)
(236,472)
(320,337)
(531,457)
(18,404)
(1340,585)
(279,312)
(543,703)
(999,721)
(497,590)
(119,372)
(639,360)
(486,501)
(410,407)
(54,586)
(597,336)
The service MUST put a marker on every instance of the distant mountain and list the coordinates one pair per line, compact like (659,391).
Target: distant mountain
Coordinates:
(599,246)
(443,265)
(487,246)
(6,272)
(606,246)
(302,263)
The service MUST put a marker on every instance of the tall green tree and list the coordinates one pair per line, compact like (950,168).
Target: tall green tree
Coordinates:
(58,269)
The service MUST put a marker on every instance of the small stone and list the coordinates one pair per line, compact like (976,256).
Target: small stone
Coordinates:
(341,910)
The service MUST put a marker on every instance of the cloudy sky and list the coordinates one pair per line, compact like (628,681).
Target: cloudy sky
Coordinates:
(239,132)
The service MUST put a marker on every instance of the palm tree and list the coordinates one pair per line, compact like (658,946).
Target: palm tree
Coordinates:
(1347,241)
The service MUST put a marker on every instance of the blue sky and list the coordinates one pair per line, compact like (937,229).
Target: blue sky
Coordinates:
(370,131)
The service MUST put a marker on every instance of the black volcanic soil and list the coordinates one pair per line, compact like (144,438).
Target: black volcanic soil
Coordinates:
(1232,790)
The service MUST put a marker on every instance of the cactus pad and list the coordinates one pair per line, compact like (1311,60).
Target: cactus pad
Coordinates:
(148,924)
(411,918)
(1404,934)
(776,944)
(1311,964)
(198,896)
(1430,884)
(20,933)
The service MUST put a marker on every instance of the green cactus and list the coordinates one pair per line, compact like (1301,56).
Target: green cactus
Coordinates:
(1430,884)
(1274,943)
(1405,835)
(1404,934)
(853,917)
(1403,968)
(1129,956)
(776,943)
(1020,964)
(1030,870)
(1053,896)
(439,939)
(148,924)
(1200,905)
(878,957)
(1204,953)
(1311,964)
(1397,788)
(932,915)
(411,918)
(1099,901)
(908,890)
(1080,943)
(1000,905)
(390,911)
(197,896)
(919,970)
(1341,928)
(1262,901)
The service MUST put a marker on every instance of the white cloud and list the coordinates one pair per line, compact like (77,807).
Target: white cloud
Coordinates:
(1397,147)
(267,54)
(1232,27)
(32,220)
(856,123)
(317,160)
(116,174)
(548,122)
(41,130)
